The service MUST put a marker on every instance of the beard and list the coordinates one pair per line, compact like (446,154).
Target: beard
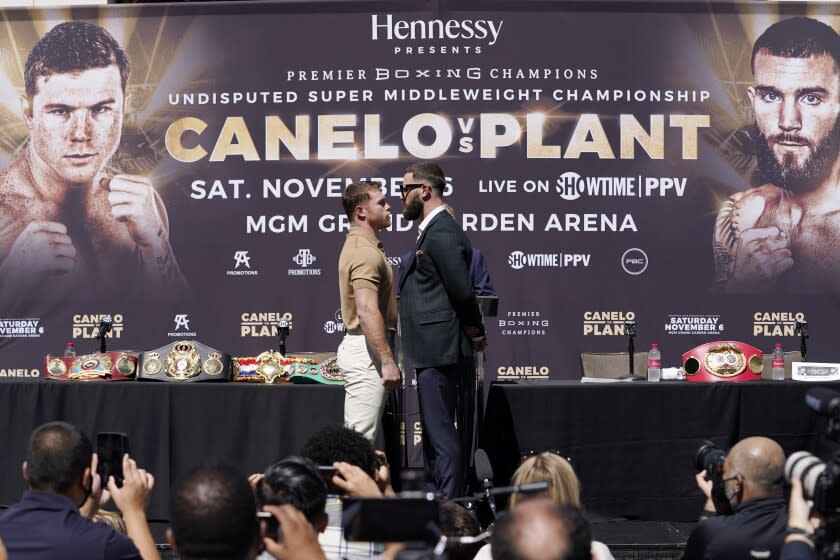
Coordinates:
(412,208)
(800,176)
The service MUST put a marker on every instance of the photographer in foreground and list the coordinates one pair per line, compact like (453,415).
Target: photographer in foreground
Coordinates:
(53,519)
(753,484)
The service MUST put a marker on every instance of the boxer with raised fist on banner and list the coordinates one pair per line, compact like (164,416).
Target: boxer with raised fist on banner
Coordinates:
(69,223)
(785,233)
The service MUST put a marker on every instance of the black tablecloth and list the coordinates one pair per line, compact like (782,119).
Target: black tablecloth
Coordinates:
(171,427)
(633,444)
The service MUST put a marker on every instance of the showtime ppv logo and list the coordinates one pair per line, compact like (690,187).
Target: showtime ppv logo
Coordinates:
(519,260)
(773,323)
(263,324)
(87,326)
(335,326)
(606,323)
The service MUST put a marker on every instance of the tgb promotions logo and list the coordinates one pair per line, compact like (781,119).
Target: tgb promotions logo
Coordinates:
(182,327)
(87,326)
(776,323)
(263,324)
(304,259)
(242,265)
(21,328)
(336,325)
(606,323)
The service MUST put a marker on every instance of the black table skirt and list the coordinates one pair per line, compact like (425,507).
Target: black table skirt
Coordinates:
(172,428)
(633,444)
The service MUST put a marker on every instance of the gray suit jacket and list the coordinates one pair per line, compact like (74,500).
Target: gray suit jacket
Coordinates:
(436,296)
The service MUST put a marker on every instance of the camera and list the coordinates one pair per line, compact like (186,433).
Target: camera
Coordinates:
(711,458)
(820,480)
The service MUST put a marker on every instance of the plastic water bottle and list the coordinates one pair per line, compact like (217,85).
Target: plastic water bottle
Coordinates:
(778,371)
(70,351)
(654,363)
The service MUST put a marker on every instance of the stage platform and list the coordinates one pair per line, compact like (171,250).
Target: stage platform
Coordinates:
(633,444)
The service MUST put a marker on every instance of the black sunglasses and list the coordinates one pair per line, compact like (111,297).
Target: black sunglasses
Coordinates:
(405,189)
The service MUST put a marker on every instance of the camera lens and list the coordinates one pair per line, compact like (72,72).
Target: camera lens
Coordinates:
(708,456)
(805,467)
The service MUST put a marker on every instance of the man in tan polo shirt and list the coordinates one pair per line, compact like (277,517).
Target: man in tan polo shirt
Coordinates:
(369,309)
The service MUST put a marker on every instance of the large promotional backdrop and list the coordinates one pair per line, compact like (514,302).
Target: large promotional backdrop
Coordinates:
(588,152)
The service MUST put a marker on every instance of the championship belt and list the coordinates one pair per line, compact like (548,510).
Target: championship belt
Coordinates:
(268,367)
(185,360)
(725,360)
(107,366)
(314,367)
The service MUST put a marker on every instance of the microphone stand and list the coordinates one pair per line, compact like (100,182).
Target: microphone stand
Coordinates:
(802,330)
(491,499)
(630,330)
(104,328)
(282,333)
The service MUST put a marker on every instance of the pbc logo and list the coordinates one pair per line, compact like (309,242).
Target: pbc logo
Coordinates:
(241,258)
(634,261)
(304,258)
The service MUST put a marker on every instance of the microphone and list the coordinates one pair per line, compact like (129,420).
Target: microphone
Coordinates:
(630,331)
(282,333)
(801,330)
(823,401)
(484,473)
(104,328)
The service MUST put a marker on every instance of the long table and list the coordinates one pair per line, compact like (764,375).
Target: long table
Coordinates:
(633,444)
(172,427)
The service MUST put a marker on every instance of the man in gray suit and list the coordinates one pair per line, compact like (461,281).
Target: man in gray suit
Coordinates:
(440,321)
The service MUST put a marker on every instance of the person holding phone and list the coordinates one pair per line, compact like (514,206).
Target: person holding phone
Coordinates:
(64,489)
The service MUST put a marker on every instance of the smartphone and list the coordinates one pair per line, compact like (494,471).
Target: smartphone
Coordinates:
(327,472)
(111,447)
(272,528)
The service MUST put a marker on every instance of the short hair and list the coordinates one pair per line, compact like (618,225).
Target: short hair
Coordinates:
(563,483)
(356,194)
(295,481)
(428,173)
(57,457)
(798,37)
(213,513)
(507,539)
(457,521)
(74,46)
(337,443)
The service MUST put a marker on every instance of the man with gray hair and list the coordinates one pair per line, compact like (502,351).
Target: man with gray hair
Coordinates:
(753,479)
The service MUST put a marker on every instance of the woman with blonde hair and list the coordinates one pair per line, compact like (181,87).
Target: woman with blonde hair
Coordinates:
(563,487)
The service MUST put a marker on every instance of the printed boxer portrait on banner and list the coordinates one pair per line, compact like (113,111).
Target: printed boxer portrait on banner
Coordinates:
(784,234)
(70,223)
